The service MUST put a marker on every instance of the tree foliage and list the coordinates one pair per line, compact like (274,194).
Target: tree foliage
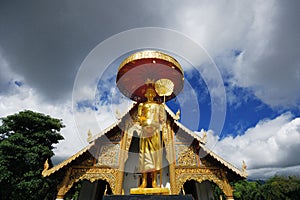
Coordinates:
(277,187)
(26,140)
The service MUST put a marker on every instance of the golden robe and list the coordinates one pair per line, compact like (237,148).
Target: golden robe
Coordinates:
(151,116)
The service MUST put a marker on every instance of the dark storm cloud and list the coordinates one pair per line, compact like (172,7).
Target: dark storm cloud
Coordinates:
(46,41)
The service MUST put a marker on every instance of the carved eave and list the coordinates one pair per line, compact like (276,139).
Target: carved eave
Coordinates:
(230,166)
(183,128)
(66,162)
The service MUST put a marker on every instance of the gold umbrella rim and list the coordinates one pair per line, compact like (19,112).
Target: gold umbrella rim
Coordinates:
(150,54)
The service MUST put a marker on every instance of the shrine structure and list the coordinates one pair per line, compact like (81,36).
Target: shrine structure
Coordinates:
(147,151)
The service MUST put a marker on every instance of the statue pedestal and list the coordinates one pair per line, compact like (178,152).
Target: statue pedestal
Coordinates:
(148,197)
(151,191)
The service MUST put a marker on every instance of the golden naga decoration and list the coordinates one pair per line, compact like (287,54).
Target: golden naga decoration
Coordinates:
(46,166)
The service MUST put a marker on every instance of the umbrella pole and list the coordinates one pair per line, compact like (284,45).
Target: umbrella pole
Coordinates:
(162,136)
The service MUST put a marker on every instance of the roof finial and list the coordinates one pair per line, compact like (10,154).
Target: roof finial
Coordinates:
(118,114)
(177,115)
(90,135)
(204,137)
(244,166)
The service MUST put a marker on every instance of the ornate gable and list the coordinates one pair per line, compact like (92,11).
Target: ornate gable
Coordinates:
(105,157)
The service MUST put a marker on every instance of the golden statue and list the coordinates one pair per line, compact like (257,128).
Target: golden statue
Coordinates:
(150,78)
(152,116)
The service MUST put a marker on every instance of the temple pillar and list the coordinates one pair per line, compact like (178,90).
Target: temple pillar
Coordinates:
(63,186)
(120,173)
(173,178)
(228,191)
(125,143)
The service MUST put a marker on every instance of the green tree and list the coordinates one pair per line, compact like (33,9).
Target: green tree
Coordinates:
(244,189)
(277,187)
(280,187)
(26,140)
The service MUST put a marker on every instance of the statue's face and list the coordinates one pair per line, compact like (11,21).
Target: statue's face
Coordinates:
(150,94)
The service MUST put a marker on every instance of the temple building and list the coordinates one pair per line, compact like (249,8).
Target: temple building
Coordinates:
(148,150)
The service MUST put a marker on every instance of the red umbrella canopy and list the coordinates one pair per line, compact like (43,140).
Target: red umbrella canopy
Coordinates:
(142,69)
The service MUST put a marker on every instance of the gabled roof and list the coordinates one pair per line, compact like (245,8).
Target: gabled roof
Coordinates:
(48,172)
(92,140)
(230,166)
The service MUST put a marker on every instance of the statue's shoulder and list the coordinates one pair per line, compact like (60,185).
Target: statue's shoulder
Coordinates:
(141,104)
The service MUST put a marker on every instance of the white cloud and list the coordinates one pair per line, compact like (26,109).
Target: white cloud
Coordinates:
(271,144)
(269,63)
(26,98)
(266,33)
(77,122)
(217,26)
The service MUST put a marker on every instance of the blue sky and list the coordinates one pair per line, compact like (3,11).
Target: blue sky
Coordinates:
(252,45)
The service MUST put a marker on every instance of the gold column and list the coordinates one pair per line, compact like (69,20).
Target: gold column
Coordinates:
(171,159)
(120,174)
(228,191)
(125,144)
(63,187)
(173,178)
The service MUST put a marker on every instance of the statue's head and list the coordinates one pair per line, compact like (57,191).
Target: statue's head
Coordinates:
(150,94)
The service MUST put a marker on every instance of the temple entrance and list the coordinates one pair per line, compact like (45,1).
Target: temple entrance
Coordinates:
(94,191)
(200,191)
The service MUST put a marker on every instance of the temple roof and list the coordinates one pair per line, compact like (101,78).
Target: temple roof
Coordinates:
(242,173)
(92,140)
(47,172)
